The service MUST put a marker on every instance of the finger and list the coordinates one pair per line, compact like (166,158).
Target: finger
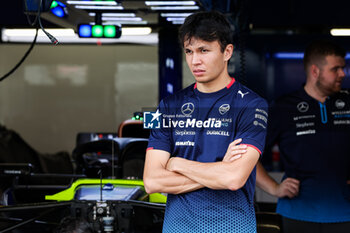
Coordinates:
(291,184)
(292,180)
(293,191)
(235,142)
(235,152)
(235,157)
(239,147)
(232,155)
(229,156)
(290,195)
(292,188)
(285,191)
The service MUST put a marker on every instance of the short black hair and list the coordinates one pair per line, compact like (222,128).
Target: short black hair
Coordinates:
(207,26)
(316,52)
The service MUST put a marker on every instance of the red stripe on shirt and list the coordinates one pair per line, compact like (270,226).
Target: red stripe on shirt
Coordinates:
(231,83)
(228,86)
(253,147)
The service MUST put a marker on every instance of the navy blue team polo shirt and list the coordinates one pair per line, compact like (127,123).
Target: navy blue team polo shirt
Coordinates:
(200,126)
(314,142)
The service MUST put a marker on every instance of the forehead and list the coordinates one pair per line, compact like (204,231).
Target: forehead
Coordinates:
(333,60)
(198,43)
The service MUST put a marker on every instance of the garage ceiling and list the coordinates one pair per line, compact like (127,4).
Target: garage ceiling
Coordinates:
(261,17)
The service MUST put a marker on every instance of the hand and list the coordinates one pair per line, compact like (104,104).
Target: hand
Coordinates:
(288,188)
(234,151)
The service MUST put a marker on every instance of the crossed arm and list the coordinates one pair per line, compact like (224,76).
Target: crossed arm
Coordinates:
(178,175)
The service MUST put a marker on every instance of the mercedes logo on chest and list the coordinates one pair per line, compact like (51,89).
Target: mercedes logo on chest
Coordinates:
(187,108)
(303,107)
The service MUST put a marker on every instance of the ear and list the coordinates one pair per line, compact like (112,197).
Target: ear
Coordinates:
(228,52)
(314,71)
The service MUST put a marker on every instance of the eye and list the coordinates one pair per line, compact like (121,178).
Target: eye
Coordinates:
(187,51)
(205,50)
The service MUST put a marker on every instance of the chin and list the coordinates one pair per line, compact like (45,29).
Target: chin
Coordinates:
(202,79)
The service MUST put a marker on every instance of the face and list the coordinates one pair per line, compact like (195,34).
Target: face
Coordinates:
(206,60)
(331,75)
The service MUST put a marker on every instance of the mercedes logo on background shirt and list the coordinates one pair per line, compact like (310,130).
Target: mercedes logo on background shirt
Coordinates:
(187,108)
(303,106)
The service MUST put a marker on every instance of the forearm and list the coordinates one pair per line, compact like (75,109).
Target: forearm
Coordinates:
(165,181)
(210,175)
(264,181)
(217,175)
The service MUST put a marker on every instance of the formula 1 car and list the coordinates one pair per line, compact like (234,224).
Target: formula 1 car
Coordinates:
(89,205)
(87,201)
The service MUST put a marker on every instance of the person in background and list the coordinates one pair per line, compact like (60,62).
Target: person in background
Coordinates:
(312,128)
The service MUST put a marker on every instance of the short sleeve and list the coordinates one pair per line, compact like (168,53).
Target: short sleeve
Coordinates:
(160,139)
(252,124)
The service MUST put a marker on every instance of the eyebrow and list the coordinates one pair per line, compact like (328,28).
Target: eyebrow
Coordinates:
(198,48)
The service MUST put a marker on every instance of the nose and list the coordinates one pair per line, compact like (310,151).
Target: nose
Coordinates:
(196,59)
(341,72)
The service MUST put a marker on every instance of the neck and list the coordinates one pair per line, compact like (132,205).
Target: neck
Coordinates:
(314,92)
(214,85)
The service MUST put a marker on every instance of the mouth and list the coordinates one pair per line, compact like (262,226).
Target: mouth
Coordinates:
(339,82)
(198,72)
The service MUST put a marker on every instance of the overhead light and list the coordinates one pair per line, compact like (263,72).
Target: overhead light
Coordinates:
(59,12)
(177,22)
(170,3)
(99,31)
(136,31)
(127,31)
(175,19)
(125,22)
(109,18)
(340,32)
(296,55)
(288,55)
(175,14)
(139,35)
(110,3)
(99,7)
(115,14)
(59,9)
(31,32)
(155,8)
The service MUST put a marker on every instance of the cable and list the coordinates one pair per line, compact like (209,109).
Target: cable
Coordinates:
(23,58)
(51,37)
(37,15)
(37,19)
